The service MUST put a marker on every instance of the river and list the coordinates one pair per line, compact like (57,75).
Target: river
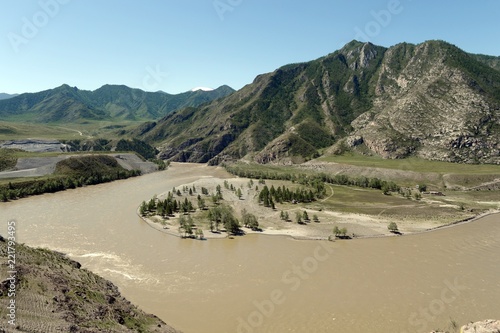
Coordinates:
(260,283)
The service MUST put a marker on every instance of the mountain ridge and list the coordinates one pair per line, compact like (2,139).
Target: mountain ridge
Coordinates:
(363,98)
(109,102)
(7,96)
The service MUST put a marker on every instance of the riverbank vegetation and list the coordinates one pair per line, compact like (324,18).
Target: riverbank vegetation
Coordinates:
(70,173)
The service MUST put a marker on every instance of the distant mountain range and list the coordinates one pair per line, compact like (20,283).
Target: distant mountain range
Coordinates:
(110,102)
(430,100)
(7,96)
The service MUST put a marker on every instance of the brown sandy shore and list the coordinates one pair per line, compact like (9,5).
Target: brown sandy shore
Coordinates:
(298,235)
(361,225)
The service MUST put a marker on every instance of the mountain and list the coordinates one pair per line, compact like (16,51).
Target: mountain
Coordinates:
(6,96)
(430,100)
(110,102)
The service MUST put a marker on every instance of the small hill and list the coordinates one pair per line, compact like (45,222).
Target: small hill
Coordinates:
(54,294)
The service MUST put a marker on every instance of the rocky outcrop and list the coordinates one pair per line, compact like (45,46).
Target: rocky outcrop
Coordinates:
(35,145)
(486,326)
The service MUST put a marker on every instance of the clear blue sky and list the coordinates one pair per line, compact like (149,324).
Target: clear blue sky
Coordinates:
(189,43)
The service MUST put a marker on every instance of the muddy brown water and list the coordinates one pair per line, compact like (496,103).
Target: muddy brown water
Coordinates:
(262,283)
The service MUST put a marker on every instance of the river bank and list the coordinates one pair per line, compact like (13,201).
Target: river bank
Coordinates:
(368,285)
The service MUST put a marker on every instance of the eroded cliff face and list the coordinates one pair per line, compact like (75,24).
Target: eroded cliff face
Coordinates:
(432,110)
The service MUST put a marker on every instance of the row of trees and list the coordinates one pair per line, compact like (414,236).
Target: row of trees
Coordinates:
(300,217)
(231,187)
(12,191)
(316,181)
(340,232)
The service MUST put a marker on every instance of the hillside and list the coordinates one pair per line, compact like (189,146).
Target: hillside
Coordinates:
(430,100)
(54,294)
(67,104)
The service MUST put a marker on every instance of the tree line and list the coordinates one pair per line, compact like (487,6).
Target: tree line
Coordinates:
(315,180)
(17,190)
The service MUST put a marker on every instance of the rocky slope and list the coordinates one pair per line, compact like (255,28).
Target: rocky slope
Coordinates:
(54,294)
(430,100)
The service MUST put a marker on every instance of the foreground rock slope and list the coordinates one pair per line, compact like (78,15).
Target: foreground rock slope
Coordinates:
(54,294)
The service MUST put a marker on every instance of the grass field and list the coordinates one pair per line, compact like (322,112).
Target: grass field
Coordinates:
(412,164)
(405,172)
(102,129)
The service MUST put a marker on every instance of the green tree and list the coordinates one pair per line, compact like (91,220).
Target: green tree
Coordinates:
(249,220)
(385,189)
(238,193)
(185,206)
(305,216)
(199,234)
(336,231)
(298,217)
(215,199)
(393,227)
(186,225)
(287,216)
(143,209)
(201,203)
(315,218)
(219,192)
